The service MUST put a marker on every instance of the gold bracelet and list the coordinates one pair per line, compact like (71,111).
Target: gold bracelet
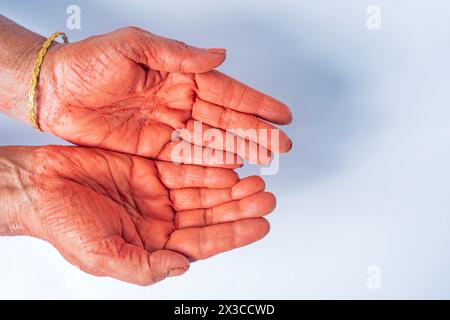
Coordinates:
(32,112)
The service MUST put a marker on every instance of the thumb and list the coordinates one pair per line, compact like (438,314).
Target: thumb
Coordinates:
(168,55)
(136,265)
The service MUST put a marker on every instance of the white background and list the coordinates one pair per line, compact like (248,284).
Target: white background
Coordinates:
(367,182)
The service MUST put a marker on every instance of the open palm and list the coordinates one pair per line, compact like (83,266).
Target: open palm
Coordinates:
(128,90)
(140,220)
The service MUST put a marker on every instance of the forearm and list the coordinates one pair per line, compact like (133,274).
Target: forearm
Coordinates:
(16,190)
(18,51)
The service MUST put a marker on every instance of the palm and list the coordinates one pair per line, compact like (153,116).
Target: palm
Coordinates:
(113,214)
(129,109)
(118,98)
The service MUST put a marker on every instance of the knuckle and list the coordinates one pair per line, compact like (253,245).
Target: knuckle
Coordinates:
(131,29)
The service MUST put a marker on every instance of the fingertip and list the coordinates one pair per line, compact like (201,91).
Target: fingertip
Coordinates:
(231,166)
(270,201)
(217,56)
(258,204)
(250,230)
(219,51)
(239,161)
(220,177)
(265,158)
(259,181)
(229,179)
(235,161)
(287,116)
(263,226)
(247,186)
(178,271)
(290,145)
(166,263)
(284,113)
(290,118)
(233,178)
(220,158)
(223,178)
(205,60)
(275,111)
(285,143)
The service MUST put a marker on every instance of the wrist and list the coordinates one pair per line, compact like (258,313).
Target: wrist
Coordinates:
(46,100)
(19,49)
(16,68)
(18,166)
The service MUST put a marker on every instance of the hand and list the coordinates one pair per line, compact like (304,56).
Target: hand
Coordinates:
(128,90)
(131,218)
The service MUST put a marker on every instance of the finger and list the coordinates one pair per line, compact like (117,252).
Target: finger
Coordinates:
(175,176)
(193,198)
(145,146)
(168,55)
(257,205)
(204,242)
(173,118)
(133,264)
(220,89)
(201,134)
(176,91)
(185,152)
(242,124)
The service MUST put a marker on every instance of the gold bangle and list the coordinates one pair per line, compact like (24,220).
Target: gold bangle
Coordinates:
(32,112)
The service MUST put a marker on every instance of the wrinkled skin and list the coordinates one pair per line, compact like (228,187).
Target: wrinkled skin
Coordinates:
(128,90)
(117,214)
(135,219)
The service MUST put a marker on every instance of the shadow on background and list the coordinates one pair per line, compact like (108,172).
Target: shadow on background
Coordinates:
(321,89)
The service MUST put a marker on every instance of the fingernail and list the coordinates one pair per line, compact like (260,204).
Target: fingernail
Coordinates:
(177,271)
(218,51)
(290,145)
